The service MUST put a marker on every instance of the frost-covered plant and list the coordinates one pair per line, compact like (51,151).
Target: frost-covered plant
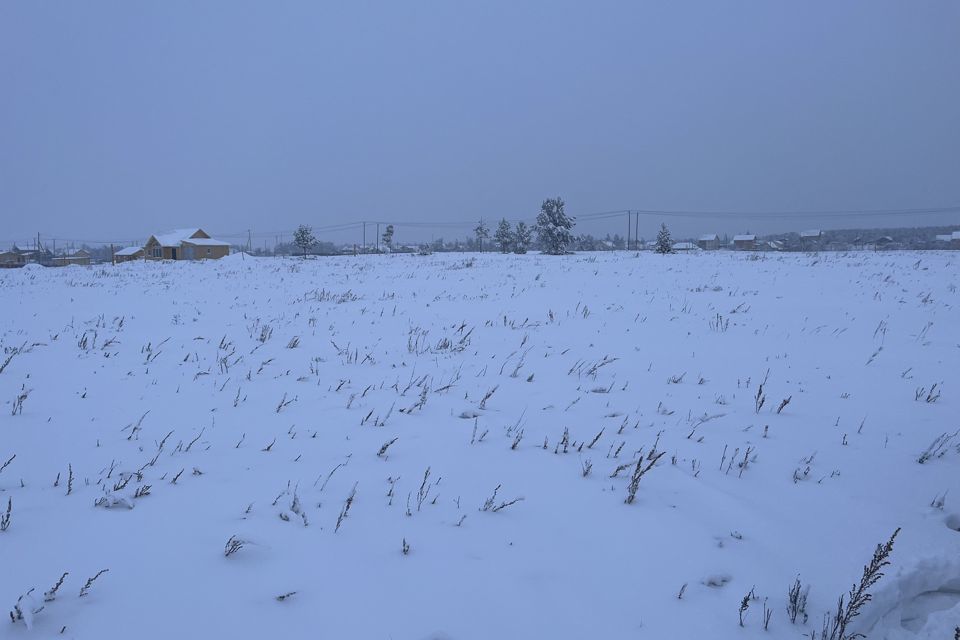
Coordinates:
(234,544)
(24,610)
(938,448)
(19,399)
(586,466)
(638,472)
(797,601)
(745,604)
(86,587)
(386,445)
(490,504)
(5,518)
(835,624)
(346,507)
(51,595)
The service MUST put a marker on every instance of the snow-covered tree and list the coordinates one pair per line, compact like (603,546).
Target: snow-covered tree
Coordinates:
(388,236)
(521,238)
(303,237)
(554,227)
(481,232)
(664,243)
(503,236)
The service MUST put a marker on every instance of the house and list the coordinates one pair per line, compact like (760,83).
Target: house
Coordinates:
(880,244)
(185,244)
(33,256)
(709,242)
(11,259)
(127,254)
(745,242)
(810,239)
(81,257)
(883,242)
(685,246)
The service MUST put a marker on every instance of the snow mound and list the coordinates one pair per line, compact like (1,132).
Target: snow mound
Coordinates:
(921,600)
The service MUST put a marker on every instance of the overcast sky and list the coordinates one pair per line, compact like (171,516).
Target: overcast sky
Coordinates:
(122,118)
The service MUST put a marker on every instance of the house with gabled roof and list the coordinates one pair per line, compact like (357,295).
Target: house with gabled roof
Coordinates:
(745,242)
(185,244)
(709,242)
(127,254)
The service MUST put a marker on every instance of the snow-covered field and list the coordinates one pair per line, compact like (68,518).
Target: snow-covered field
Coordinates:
(360,427)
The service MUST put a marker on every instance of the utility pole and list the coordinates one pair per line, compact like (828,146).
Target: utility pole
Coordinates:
(378,237)
(629,224)
(364,237)
(636,232)
(249,242)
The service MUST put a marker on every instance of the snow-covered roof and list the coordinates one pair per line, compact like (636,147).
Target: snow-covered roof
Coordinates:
(175,237)
(684,246)
(747,237)
(128,251)
(944,237)
(955,235)
(709,237)
(206,242)
(812,233)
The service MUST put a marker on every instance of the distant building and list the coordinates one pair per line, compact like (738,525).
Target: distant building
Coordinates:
(955,240)
(81,257)
(127,254)
(709,242)
(745,242)
(880,244)
(11,259)
(685,246)
(32,256)
(185,244)
(810,239)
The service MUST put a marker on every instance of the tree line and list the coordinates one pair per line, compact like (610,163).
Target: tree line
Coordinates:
(553,231)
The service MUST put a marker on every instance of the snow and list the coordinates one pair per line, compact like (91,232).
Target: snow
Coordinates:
(206,242)
(477,364)
(129,251)
(175,237)
(744,238)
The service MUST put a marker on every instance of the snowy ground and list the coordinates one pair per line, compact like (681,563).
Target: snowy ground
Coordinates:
(253,397)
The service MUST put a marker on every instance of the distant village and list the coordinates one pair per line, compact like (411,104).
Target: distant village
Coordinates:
(197,244)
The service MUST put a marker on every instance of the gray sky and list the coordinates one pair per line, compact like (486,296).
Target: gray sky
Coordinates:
(122,118)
